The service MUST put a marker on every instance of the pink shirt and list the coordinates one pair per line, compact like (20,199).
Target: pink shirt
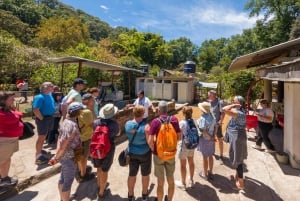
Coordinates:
(155,124)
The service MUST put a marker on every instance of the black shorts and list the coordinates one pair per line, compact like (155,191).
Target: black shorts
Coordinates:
(106,162)
(145,161)
(44,126)
(219,131)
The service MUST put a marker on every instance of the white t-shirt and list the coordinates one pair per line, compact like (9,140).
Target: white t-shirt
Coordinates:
(265,112)
(183,126)
(144,102)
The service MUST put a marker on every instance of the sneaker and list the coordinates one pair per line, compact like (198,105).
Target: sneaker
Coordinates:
(145,197)
(270,151)
(43,152)
(191,183)
(210,176)
(86,177)
(179,184)
(201,174)
(255,146)
(8,181)
(130,198)
(41,160)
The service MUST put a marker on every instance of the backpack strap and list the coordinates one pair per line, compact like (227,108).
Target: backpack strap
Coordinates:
(137,128)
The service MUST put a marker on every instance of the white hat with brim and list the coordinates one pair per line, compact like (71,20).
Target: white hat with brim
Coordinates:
(108,111)
(204,107)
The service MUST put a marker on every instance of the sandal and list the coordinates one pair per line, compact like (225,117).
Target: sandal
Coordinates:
(203,176)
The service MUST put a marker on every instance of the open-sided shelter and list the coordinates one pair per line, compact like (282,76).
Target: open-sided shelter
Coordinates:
(83,62)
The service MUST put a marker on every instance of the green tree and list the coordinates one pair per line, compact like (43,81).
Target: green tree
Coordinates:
(182,50)
(15,26)
(278,18)
(295,31)
(60,34)
(210,53)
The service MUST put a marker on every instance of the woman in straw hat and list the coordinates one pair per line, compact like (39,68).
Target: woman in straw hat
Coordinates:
(237,138)
(206,124)
(107,112)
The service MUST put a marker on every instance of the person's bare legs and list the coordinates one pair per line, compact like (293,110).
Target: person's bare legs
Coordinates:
(39,144)
(221,145)
(210,164)
(130,184)
(171,187)
(160,188)
(102,180)
(183,171)
(145,184)
(82,166)
(64,196)
(191,167)
(205,165)
(4,168)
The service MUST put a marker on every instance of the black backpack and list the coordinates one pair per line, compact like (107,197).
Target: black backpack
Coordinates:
(28,130)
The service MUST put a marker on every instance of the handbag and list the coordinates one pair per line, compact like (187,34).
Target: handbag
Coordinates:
(124,156)
(226,137)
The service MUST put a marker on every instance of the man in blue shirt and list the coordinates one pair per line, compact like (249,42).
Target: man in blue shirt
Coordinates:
(43,107)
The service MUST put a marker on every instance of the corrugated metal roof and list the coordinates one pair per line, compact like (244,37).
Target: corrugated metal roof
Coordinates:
(212,85)
(263,56)
(91,63)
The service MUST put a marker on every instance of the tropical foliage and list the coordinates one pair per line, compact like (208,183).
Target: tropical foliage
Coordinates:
(34,30)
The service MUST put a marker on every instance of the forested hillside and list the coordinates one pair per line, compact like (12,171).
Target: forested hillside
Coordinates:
(34,30)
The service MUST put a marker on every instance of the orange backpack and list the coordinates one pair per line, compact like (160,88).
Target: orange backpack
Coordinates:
(166,140)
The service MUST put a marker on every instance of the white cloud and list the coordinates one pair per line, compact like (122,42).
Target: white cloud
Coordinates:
(216,15)
(104,7)
(202,20)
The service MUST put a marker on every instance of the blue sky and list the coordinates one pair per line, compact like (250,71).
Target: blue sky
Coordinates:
(197,20)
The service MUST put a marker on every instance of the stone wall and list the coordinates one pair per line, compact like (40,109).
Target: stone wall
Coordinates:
(126,114)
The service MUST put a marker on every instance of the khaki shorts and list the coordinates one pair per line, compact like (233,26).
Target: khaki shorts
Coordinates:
(8,146)
(161,166)
(183,152)
(86,148)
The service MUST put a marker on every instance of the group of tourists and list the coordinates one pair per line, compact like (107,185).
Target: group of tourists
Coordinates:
(158,141)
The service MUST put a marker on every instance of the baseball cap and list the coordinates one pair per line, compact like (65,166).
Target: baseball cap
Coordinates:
(87,96)
(74,107)
(79,81)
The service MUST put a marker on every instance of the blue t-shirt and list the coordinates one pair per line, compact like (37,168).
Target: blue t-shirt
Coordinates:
(45,103)
(207,122)
(239,122)
(139,145)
